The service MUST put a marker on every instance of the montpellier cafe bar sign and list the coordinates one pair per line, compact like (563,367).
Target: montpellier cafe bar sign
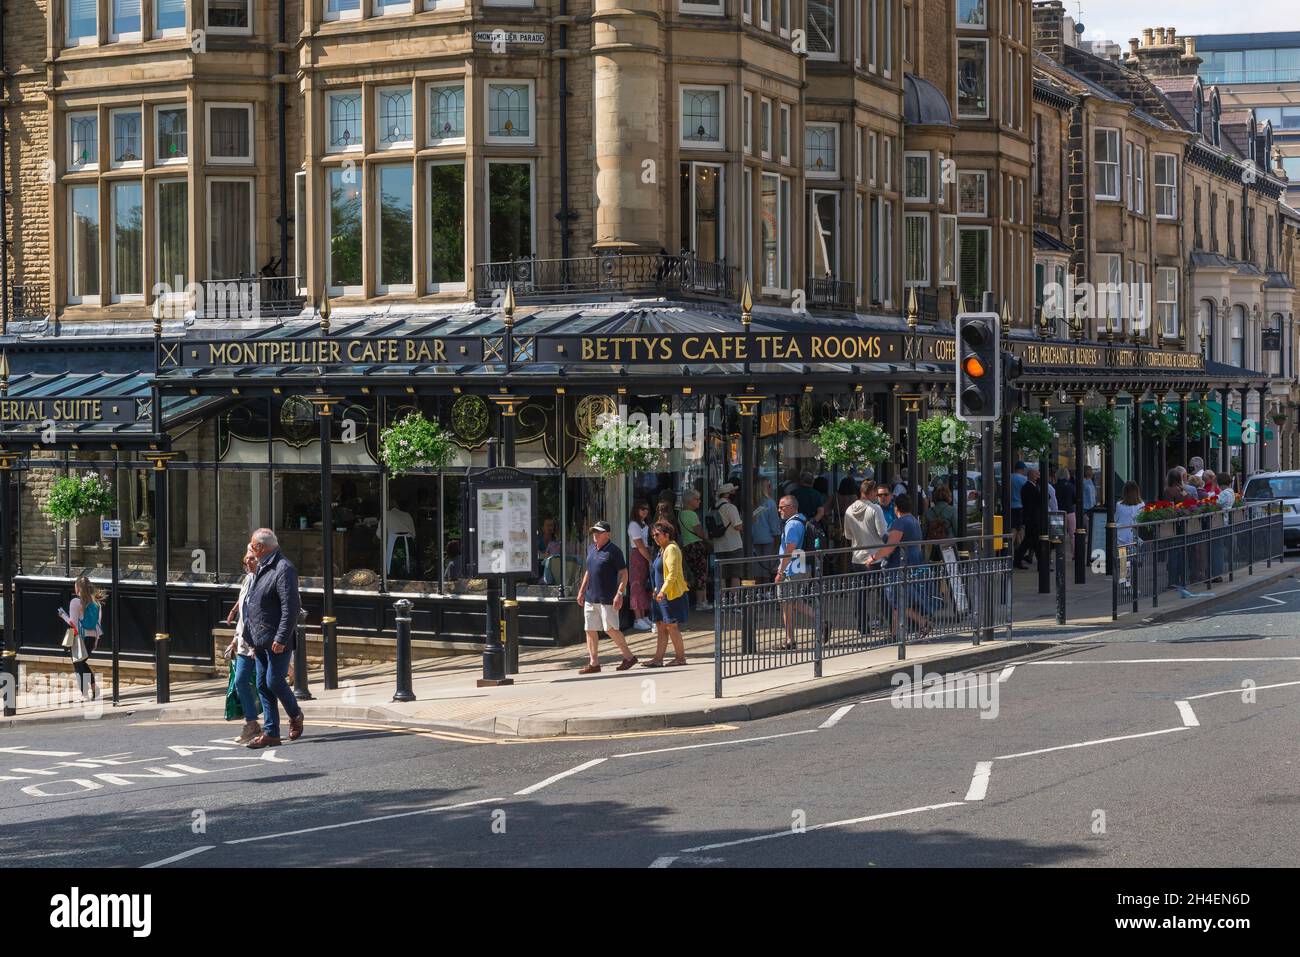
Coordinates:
(650,349)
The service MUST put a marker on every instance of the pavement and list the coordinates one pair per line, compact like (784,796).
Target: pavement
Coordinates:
(1168,744)
(548,697)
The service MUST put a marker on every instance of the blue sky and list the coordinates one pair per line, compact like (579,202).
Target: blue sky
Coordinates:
(1119,20)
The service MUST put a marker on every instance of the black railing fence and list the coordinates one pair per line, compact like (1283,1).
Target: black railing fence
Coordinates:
(249,297)
(828,293)
(651,274)
(833,607)
(1166,559)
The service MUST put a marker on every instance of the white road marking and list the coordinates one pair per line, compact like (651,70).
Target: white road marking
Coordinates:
(1084,744)
(716,744)
(1006,673)
(834,719)
(979,783)
(25,751)
(1212,694)
(1189,716)
(368,820)
(556,777)
(179,857)
(662,862)
(1149,661)
(819,827)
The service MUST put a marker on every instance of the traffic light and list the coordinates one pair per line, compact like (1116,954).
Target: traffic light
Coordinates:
(1012,397)
(979,367)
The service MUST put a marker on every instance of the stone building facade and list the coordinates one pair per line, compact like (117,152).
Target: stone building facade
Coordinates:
(838,153)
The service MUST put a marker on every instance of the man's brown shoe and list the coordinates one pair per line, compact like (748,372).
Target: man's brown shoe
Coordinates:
(626,663)
(295,727)
(588,669)
(264,740)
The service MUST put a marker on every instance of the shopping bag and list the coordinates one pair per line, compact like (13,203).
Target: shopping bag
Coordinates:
(233,708)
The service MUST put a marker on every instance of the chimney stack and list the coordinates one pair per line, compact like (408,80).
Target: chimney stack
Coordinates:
(1171,36)
(1146,36)
(1049,29)
(1160,53)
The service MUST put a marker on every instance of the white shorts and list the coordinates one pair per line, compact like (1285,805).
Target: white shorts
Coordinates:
(599,617)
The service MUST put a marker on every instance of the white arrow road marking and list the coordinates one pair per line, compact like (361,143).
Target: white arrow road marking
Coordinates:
(368,820)
(717,744)
(563,774)
(662,862)
(268,755)
(819,827)
(834,719)
(979,783)
(1084,744)
(1006,673)
(179,857)
(1189,716)
(1212,694)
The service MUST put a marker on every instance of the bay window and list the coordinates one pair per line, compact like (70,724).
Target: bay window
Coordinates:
(823,234)
(702,229)
(916,177)
(510,211)
(343,264)
(1109,293)
(972,78)
(396,223)
(1166,186)
(974,242)
(972,192)
(83,244)
(823,29)
(947,250)
(83,141)
(343,132)
(446,113)
(1139,180)
(230,133)
(395,115)
(171,133)
(172,217)
(1167,301)
(701,113)
(885,250)
(774,218)
(822,150)
(1105,163)
(783,134)
(126,138)
(916,249)
(765,128)
(510,112)
(127,249)
(230,228)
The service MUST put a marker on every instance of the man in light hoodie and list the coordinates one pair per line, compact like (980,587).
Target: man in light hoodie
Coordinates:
(866,528)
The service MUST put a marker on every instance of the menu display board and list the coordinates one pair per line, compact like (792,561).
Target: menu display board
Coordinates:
(502,515)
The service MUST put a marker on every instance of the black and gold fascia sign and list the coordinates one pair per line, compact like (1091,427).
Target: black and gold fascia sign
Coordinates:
(86,409)
(653,349)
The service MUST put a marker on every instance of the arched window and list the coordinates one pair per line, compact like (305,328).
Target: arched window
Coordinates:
(1206,329)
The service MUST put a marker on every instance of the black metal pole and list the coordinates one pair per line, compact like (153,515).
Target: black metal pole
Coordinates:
(494,652)
(7,560)
(328,623)
(1080,519)
(114,617)
(1245,408)
(988,548)
(1060,582)
(959,498)
(1182,429)
(1108,463)
(749,478)
(301,689)
(1140,457)
(162,640)
(913,467)
(1225,462)
(403,621)
(510,608)
(1008,462)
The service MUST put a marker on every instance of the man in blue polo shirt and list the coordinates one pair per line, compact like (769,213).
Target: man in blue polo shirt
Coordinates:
(604,585)
(1018,480)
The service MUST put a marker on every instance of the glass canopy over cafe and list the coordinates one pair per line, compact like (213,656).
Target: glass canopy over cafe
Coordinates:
(239,443)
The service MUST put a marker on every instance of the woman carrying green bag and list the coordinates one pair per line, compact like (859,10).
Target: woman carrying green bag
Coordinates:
(241,692)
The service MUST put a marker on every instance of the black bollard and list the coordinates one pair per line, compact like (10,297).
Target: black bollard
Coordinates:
(300,688)
(161,644)
(1060,581)
(510,618)
(403,608)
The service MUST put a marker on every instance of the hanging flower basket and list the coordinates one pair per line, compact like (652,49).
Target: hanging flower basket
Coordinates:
(1100,426)
(73,497)
(616,448)
(852,442)
(414,442)
(943,439)
(1033,434)
(1159,421)
(1200,421)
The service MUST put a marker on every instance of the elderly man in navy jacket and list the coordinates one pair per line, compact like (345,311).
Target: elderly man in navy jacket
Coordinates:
(270,618)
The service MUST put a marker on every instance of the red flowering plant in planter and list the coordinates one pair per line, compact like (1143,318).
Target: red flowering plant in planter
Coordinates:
(1159,511)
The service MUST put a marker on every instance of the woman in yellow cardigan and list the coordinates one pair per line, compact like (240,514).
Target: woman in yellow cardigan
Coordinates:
(671,605)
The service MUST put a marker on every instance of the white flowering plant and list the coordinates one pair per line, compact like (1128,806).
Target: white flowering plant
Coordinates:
(852,442)
(73,497)
(414,442)
(616,448)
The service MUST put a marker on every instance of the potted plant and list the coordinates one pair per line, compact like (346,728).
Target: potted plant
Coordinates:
(414,442)
(616,448)
(1160,421)
(852,442)
(1200,422)
(1153,519)
(1033,434)
(73,497)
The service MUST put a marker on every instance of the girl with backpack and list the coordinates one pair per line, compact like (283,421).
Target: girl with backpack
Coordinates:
(84,615)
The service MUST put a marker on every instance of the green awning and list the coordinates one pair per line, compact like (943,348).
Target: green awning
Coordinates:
(1216,416)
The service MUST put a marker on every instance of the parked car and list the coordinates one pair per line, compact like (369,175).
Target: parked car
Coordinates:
(1279,486)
